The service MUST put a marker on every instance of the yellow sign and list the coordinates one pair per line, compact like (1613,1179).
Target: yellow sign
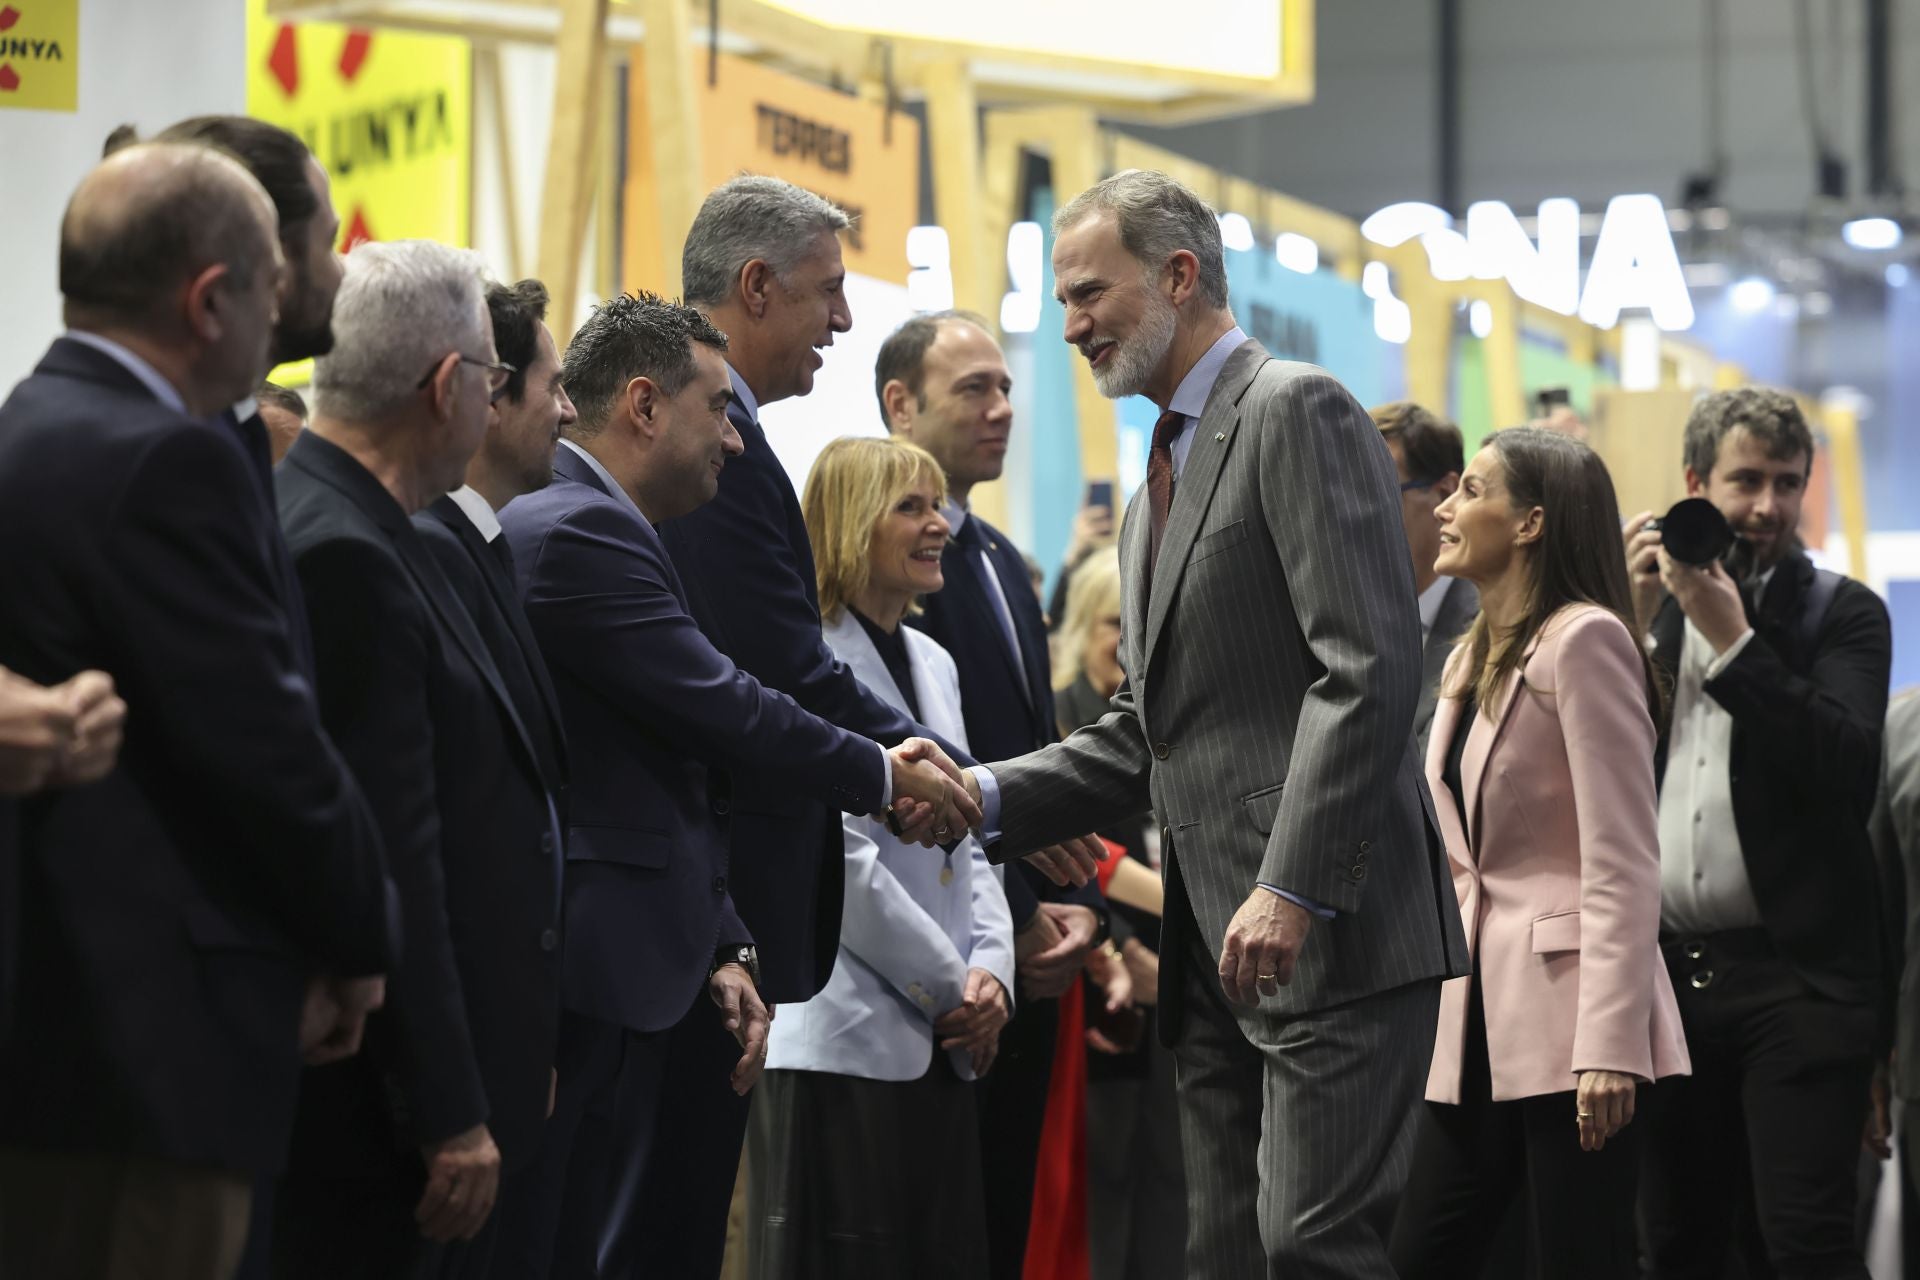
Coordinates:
(40,54)
(389,114)
(756,120)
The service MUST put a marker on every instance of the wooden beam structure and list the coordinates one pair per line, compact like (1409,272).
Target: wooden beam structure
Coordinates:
(572,155)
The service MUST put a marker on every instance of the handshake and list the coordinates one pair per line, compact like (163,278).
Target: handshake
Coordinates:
(935,802)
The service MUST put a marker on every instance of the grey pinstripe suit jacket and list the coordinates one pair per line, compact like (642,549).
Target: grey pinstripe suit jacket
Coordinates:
(1274,668)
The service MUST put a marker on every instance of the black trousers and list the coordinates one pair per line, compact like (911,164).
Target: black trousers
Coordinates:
(1471,1161)
(854,1179)
(1013,1109)
(1136,1177)
(333,1228)
(1771,1117)
(636,1168)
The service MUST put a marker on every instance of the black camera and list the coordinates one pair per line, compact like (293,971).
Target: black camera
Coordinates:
(1694,532)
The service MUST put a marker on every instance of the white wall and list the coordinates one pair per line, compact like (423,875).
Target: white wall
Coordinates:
(148,64)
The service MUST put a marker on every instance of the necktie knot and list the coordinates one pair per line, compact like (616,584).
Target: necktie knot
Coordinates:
(1167,428)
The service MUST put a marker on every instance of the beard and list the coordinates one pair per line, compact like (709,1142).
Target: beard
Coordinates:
(305,329)
(1136,357)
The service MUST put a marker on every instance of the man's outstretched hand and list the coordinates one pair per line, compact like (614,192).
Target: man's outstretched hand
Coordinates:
(931,804)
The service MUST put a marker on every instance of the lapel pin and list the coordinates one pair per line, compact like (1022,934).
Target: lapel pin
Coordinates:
(1220,436)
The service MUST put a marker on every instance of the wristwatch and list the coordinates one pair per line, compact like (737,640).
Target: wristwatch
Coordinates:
(744,954)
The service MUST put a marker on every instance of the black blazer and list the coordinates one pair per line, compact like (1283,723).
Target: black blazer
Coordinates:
(1008,707)
(479,575)
(413,696)
(660,722)
(747,565)
(1805,762)
(172,912)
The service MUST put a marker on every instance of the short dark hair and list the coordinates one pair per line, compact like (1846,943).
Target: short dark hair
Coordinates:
(276,158)
(517,311)
(1431,445)
(1771,417)
(904,355)
(285,398)
(631,335)
(125,255)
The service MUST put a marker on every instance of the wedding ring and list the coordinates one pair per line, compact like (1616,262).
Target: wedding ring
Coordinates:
(940,831)
(1267,977)
(1583,1115)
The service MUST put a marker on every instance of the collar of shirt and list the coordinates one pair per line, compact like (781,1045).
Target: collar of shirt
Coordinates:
(1190,397)
(163,391)
(246,409)
(478,510)
(1431,600)
(614,488)
(956,517)
(743,393)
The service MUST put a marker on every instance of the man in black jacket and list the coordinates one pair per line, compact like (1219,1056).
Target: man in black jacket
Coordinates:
(1769,902)
(175,912)
(397,1156)
(943,383)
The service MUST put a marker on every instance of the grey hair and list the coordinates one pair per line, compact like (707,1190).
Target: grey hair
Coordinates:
(746,218)
(1157,216)
(403,305)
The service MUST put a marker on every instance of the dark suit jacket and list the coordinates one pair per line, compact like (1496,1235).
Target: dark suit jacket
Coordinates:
(1457,609)
(1896,843)
(747,564)
(172,912)
(1805,762)
(413,697)
(658,723)
(1008,708)
(491,596)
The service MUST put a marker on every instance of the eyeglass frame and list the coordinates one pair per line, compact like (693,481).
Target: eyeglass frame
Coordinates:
(1408,486)
(501,367)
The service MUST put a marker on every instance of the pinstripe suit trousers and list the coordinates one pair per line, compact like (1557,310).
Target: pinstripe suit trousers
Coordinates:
(1297,1128)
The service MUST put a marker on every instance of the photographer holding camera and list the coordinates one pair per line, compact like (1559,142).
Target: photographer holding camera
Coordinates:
(1768,891)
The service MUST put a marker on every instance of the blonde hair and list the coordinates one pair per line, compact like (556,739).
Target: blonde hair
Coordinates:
(854,483)
(1093,593)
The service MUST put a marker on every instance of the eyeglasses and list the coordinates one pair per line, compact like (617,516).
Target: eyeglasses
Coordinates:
(1408,486)
(498,372)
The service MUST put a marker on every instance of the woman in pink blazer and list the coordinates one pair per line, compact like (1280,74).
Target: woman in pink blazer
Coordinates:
(1541,767)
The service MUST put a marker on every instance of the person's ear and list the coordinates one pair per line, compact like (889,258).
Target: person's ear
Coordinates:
(1696,484)
(899,400)
(1182,275)
(440,385)
(202,302)
(756,288)
(1533,527)
(642,399)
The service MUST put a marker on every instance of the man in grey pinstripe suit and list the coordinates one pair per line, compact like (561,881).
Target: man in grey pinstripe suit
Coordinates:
(1273,651)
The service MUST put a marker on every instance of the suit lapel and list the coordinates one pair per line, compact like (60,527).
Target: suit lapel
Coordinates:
(1485,737)
(427,578)
(963,571)
(1213,438)
(503,593)
(1446,722)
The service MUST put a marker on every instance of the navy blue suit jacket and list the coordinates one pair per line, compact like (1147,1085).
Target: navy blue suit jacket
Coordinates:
(748,566)
(659,723)
(172,912)
(1008,705)
(414,698)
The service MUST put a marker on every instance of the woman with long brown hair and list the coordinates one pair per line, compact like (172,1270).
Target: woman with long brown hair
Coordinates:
(1541,767)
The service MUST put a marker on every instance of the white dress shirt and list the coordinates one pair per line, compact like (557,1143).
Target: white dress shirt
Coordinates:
(1703,873)
(478,510)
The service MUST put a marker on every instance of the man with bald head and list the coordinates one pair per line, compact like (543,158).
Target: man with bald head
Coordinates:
(176,911)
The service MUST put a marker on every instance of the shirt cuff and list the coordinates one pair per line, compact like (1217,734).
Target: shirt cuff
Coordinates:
(989,805)
(1325,913)
(1725,660)
(886,779)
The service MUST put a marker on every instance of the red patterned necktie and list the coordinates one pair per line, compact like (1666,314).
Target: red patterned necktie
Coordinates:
(1160,479)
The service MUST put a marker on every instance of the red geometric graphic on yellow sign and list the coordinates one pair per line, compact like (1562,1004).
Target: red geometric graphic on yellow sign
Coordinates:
(40,54)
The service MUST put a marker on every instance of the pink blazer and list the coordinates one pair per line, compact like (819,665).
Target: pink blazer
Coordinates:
(1557,868)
